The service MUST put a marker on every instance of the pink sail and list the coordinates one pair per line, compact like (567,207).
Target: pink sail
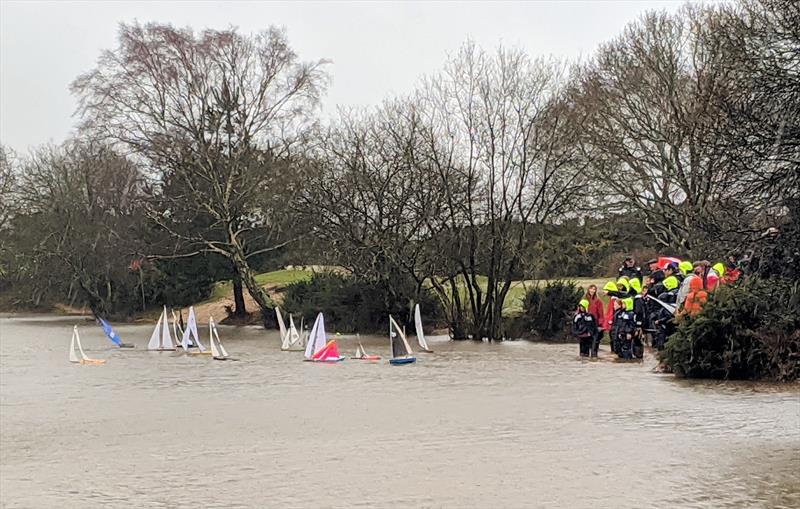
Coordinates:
(330,352)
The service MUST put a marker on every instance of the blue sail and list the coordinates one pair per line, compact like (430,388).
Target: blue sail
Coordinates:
(113,336)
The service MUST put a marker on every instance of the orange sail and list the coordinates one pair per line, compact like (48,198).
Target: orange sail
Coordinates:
(329,352)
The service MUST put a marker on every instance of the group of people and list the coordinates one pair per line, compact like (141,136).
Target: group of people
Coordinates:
(644,308)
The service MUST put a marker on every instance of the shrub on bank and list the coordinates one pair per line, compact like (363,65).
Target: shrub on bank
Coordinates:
(747,331)
(351,304)
(547,311)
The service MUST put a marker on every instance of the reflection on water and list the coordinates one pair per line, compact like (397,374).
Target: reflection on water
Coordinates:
(472,425)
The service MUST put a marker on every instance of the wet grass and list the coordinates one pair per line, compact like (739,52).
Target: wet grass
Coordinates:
(279,278)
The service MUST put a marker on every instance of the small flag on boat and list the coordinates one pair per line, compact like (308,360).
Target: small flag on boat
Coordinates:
(113,336)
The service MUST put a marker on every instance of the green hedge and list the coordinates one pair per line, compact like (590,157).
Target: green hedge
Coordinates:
(351,304)
(547,311)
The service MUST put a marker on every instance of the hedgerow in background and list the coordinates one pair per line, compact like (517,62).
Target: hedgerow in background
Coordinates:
(351,304)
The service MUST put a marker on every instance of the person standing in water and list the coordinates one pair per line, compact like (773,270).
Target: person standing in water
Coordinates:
(584,328)
(597,311)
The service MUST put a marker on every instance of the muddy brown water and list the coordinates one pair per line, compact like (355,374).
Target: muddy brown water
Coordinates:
(511,425)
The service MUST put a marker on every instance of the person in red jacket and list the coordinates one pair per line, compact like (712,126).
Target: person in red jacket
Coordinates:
(595,304)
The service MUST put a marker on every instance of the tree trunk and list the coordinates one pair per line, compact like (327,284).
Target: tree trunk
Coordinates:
(239,309)
(262,298)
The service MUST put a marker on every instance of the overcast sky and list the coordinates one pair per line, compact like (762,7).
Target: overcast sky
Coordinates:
(378,49)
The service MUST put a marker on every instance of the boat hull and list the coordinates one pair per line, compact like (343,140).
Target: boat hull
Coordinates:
(126,345)
(93,362)
(326,361)
(367,358)
(402,360)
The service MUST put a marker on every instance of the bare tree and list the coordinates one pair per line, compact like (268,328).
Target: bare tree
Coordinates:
(499,139)
(8,179)
(215,114)
(648,105)
(444,186)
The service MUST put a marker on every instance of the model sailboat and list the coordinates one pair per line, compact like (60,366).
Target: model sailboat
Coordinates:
(362,354)
(177,330)
(113,336)
(401,350)
(281,326)
(191,337)
(83,359)
(161,340)
(317,350)
(420,333)
(217,350)
(292,341)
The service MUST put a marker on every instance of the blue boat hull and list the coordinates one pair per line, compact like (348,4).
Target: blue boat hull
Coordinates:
(402,360)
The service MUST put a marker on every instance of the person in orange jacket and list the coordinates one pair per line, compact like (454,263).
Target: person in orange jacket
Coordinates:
(696,299)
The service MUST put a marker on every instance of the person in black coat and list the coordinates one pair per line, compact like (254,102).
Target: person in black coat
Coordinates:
(629,269)
(656,274)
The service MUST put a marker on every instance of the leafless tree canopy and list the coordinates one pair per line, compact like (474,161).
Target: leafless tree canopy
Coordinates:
(215,116)
(442,185)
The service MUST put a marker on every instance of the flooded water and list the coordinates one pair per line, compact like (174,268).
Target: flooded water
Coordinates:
(472,425)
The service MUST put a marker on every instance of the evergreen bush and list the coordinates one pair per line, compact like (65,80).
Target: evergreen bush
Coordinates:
(748,330)
(547,309)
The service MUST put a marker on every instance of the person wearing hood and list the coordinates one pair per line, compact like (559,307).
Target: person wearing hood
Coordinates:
(628,345)
(624,285)
(663,318)
(684,289)
(696,299)
(612,291)
(584,328)
(715,276)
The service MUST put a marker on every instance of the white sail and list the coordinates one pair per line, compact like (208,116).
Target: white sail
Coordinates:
(418,325)
(73,357)
(166,339)
(282,327)
(80,347)
(398,341)
(76,341)
(303,335)
(292,340)
(190,335)
(317,338)
(177,331)
(217,350)
(154,342)
(214,350)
